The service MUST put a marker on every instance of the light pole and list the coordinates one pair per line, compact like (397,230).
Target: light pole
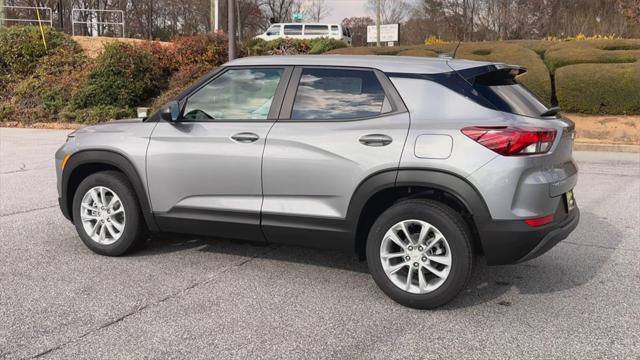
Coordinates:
(2,12)
(232,29)
(214,15)
(378,23)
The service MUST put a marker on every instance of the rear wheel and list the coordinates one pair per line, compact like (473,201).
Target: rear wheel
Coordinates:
(419,253)
(107,215)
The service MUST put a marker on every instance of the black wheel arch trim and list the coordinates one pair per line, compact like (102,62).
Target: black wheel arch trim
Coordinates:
(113,159)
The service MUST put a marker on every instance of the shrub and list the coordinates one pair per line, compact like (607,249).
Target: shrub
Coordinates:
(21,47)
(56,78)
(165,54)
(208,49)
(590,51)
(323,45)
(96,114)
(433,40)
(124,76)
(599,88)
(182,79)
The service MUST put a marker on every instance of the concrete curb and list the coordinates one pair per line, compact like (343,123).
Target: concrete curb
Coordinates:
(580,146)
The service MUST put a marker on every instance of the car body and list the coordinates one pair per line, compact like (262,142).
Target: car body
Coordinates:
(306,31)
(322,150)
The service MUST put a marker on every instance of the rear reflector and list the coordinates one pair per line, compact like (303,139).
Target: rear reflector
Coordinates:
(512,141)
(535,222)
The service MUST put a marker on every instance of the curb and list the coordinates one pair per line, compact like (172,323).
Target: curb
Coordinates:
(578,146)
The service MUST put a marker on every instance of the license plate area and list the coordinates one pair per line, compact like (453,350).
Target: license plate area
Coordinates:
(569,200)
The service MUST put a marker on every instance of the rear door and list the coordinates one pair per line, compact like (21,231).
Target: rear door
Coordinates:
(204,171)
(337,127)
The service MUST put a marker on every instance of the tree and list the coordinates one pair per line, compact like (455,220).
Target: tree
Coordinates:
(391,11)
(358,26)
(315,10)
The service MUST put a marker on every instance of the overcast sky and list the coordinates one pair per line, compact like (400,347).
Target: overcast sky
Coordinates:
(341,9)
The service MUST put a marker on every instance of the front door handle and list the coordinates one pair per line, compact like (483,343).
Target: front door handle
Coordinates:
(376,140)
(245,137)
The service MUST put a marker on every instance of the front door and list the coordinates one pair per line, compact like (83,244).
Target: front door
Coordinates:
(204,171)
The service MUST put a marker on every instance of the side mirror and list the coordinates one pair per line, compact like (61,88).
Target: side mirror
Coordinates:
(171,112)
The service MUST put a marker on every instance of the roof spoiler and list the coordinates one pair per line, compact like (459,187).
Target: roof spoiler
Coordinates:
(512,70)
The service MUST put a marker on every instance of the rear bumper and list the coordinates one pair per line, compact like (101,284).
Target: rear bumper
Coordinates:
(508,242)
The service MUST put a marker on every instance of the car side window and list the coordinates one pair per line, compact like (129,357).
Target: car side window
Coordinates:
(237,94)
(274,30)
(293,29)
(338,94)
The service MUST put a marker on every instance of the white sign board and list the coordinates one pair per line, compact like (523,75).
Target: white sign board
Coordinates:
(388,33)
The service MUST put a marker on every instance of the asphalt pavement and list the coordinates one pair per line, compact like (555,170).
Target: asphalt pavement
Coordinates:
(210,298)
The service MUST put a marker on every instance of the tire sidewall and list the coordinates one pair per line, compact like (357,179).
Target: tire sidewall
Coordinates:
(459,245)
(132,213)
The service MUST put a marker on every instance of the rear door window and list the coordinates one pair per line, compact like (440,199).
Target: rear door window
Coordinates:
(316,30)
(293,29)
(504,92)
(338,94)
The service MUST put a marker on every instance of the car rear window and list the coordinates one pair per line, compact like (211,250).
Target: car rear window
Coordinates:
(503,91)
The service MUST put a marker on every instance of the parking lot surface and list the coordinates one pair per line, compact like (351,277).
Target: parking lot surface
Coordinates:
(211,298)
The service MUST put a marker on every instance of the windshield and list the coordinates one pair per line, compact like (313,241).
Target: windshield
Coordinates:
(506,94)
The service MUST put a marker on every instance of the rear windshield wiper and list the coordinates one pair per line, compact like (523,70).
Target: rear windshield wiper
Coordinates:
(551,112)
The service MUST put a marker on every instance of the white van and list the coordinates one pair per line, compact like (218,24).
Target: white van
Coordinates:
(306,31)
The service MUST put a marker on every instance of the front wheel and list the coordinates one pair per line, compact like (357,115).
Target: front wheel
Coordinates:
(419,253)
(107,215)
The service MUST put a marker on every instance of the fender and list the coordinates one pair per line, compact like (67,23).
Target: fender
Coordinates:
(113,159)
(457,186)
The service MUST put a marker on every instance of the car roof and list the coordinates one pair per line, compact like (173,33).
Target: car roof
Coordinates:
(394,64)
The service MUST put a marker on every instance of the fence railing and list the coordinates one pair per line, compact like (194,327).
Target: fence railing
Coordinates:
(93,21)
(22,9)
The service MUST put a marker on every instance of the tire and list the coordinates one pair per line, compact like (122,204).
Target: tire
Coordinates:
(124,226)
(430,291)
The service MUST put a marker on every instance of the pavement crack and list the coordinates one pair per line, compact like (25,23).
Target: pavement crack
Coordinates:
(158,302)
(599,246)
(28,211)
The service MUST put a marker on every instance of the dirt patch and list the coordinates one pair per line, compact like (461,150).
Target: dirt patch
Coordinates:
(607,129)
(93,45)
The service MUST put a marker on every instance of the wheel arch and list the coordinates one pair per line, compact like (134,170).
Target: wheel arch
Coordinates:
(381,190)
(87,162)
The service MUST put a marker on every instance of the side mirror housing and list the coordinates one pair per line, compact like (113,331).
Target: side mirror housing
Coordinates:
(171,112)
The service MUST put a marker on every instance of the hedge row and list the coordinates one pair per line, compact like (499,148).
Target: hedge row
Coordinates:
(599,88)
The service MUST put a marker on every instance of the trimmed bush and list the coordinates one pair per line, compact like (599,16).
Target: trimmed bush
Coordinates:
(599,88)
(21,47)
(124,76)
(323,45)
(208,49)
(96,114)
(591,51)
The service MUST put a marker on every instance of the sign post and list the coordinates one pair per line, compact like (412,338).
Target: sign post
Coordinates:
(388,33)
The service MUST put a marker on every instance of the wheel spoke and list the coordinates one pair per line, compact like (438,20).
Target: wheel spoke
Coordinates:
(434,241)
(103,233)
(422,282)
(407,285)
(112,202)
(89,207)
(87,217)
(434,271)
(440,259)
(393,237)
(388,256)
(94,196)
(424,230)
(95,228)
(118,225)
(403,226)
(103,198)
(112,231)
(117,211)
(393,269)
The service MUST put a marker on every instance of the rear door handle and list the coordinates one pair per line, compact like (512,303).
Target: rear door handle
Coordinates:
(245,137)
(376,140)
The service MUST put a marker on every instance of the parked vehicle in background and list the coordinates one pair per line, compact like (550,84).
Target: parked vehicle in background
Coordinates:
(306,31)
(419,164)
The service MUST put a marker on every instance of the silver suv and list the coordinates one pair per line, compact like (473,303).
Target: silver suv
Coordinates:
(416,164)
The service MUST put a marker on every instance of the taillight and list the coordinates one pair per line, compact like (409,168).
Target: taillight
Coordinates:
(510,141)
(535,222)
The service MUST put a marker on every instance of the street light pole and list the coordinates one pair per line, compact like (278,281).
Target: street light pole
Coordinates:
(2,12)
(232,28)
(213,14)
(378,22)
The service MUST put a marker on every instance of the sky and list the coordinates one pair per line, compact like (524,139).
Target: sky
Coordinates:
(341,9)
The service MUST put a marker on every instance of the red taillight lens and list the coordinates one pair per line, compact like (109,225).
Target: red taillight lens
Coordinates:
(509,141)
(535,222)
